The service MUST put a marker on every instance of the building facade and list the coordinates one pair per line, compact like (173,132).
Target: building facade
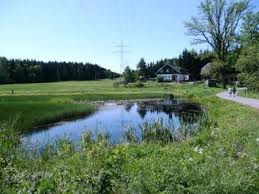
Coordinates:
(170,73)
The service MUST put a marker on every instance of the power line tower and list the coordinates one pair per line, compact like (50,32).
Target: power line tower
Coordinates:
(122,53)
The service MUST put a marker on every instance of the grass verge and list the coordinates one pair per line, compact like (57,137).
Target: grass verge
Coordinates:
(249,94)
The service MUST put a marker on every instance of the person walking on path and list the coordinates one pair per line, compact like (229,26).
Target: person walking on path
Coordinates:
(229,92)
(234,91)
(239,99)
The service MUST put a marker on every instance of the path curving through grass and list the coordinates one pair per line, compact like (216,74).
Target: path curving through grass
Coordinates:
(242,100)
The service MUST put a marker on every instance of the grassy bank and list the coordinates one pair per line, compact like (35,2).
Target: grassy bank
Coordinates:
(28,114)
(42,103)
(222,158)
(249,94)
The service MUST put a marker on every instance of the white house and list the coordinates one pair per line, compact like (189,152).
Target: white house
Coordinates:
(173,73)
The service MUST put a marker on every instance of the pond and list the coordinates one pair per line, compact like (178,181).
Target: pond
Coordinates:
(115,118)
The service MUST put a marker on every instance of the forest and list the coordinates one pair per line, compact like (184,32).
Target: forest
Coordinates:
(32,71)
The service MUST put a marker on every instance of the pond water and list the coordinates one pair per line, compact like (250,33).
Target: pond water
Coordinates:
(115,118)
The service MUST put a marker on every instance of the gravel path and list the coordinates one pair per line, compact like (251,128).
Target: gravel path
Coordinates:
(242,100)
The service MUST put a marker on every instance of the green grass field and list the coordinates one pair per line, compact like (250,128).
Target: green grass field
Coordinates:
(227,160)
(86,88)
(43,103)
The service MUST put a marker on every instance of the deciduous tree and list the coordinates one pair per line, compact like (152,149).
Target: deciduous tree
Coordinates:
(129,75)
(142,68)
(248,62)
(217,26)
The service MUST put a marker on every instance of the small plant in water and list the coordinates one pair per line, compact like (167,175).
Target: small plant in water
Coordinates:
(88,139)
(156,132)
(159,132)
(130,135)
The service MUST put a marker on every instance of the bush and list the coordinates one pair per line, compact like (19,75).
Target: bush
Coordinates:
(169,96)
(139,85)
(135,85)
(129,75)
(159,79)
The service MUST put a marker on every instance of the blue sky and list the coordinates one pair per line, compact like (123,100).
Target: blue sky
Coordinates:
(87,30)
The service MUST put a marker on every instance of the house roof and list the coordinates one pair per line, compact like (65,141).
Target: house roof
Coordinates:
(177,69)
(208,68)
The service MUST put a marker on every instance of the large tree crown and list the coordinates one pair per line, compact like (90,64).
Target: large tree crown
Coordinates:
(217,23)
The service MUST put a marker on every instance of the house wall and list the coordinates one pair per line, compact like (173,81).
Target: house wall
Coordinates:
(166,77)
(174,77)
(182,77)
(187,77)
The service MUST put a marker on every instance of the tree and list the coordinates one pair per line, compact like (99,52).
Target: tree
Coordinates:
(216,26)
(250,28)
(248,62)
(4,75)
(129,75)
(142,68)
(190,61)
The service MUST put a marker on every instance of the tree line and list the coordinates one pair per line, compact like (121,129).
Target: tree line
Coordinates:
(30,71)
(190,60)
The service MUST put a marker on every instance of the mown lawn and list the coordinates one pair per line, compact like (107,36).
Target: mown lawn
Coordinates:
(221,158)
(87,87)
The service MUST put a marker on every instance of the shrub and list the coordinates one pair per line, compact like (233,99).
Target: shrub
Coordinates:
(139,85)
(136,85)
(169,96)
(159,79)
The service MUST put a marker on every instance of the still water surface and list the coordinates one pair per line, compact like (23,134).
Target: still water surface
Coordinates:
(115,119)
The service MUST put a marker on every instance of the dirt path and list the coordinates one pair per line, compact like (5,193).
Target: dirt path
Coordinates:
(242,100)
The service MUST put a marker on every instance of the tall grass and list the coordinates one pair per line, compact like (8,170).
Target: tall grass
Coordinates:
(160,132)
(34,113)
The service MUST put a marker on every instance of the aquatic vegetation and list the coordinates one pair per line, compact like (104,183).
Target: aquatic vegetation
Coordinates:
(161,133)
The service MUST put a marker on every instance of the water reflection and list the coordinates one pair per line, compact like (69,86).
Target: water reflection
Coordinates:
(115,119)
(186,111)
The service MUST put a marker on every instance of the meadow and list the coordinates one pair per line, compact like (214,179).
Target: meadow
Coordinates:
(42,103)
(220,158)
